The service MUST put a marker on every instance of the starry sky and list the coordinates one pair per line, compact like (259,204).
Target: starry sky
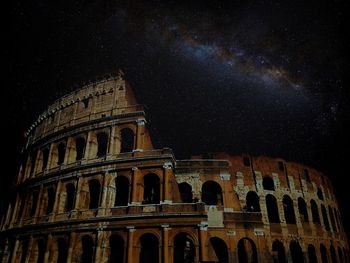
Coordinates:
(242,77)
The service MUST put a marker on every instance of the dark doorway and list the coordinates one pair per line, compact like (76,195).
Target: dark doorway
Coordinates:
(186,192)
(127,140)
(151,194)
(212,193)
(94,189)
(116,245)
(252,202)
(272,209)
(296,252)
(184,250)
(279,252)
(122,191)
(88,249)
(149,249)
(220,249)
(311,251)
(247,251)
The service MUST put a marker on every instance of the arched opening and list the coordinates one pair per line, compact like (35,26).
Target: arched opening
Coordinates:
(268,183)
(70,190)
(61,148)
(331,215)
(33,156)
(288,208)
(102,143)
(184,249)
(149,252)
(314,211)
(62,249)
(24,250)
(45,158)
(41,250)
(296,252)
(279,252)
(272,209)
(211,193)
(324,256)
(247,251)
(220,249)
(252,202)
(51,195)
(325,217)
(94,190)
(340,254)
(151,194)
(80,145)
(311,251)
(319,193)
(302,210)
(186,192)
(122,191)
(87,249)
(116,248)
(127,140)
(22,197)
(333,255)
(35,196)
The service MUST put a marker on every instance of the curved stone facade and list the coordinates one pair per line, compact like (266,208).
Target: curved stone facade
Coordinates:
(91,188)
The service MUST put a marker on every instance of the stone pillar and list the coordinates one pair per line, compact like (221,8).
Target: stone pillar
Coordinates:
(48,248)
(167,172)
(135,192)
(70,149)
(131,256)
(77,193)
(56,205)
(203,227)
(140,133)
(15,252)
(100,255)
(88,146)
(165,251)
(72,241)
(104,193)
(29,251)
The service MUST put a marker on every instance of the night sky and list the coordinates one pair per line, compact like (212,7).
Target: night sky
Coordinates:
(266,78)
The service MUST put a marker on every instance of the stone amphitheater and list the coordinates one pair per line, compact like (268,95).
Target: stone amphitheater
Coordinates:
(91,188)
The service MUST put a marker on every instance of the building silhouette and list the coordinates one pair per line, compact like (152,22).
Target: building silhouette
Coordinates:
(91,188)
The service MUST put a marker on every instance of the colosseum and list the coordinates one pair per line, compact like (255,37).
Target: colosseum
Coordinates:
(91,188)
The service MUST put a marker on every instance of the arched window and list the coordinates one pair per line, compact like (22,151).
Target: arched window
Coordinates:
(333,255)
(80,145)
(311,251)
(94,189)
(116,245)
(296,252)
(324,256)
(184,249)
(34,200)
(149,252)
(220,249)
(302,210)
(61,153)
(41,251)
(22,196)
(211,193)
(185,192)
(252,202)
(340,254)
(272,209)
(51,195)
(268,183)
(122,191)
(33,156)
(325,217)
(319,193)
(246,251)
(331,215)
(279,252)
(45,158)
(62,249)
(102,143)
(70,190)
(314,211)
(151,194)
(288,208)
(87,249)
(127,140)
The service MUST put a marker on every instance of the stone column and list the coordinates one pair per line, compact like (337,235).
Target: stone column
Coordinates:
(167,172)
(140,132)
(72,241)
(100,255)
(48,248)
(203,227)
(56,205)
(165,251)
(104,193)
(131,232)
(29,250)
(15,252)
(135,192)
(88,146)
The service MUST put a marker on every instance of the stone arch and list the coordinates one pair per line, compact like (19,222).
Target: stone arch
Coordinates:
(127,140)
(149,248)
(279,253)
(186,192)
(38,251)
(247,252)
(325,217)
(212,193)
(87,252)
(117,249)
(94,193)
(151,194)
(33,202)
(311,252)
(288,208)
(184,248)
(320,193)
(296,252)
(331,215)
(314,211)
(268,183)
(122,191)
(252,202)
(324,256)
(102,144)
(48,200)
(70,196)
(80,146)
(220,249)
(272,209)
(59,250)
(302,210)
(23,250)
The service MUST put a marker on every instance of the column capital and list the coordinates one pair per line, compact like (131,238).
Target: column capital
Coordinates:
(134,168)
(130,228)
(141,122)
(165,226)
(167,165)
(203,226)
